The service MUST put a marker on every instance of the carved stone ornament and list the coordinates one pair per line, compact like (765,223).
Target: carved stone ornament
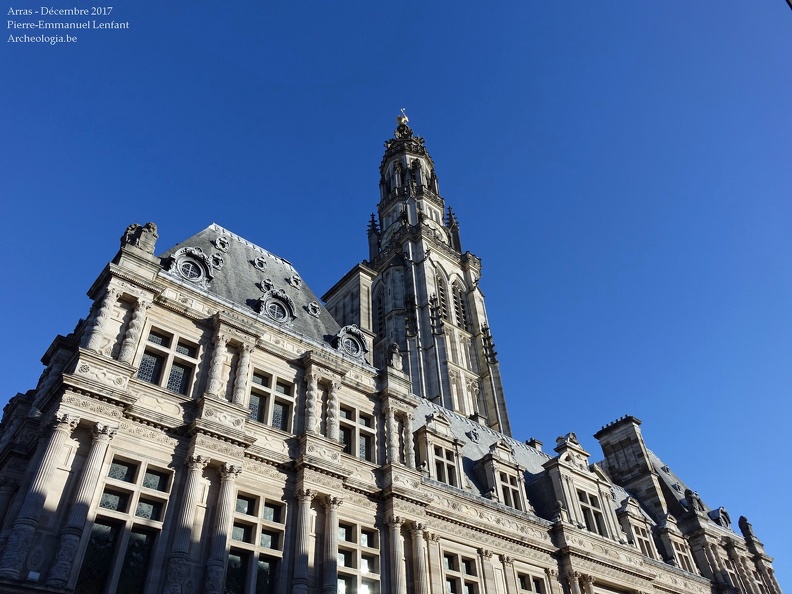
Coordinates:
(351,341)
(260,263)
(313,309)
(143,237)
(295,281)
(222,243)
(192,264)
(265,284)
(217,261)
(278,306)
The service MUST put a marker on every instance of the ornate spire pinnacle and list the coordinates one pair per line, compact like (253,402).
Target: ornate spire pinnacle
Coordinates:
(402,129)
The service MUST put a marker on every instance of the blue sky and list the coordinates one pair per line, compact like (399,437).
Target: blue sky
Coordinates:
(622,169)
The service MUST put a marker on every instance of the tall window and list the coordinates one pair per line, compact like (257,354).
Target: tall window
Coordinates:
(356,432)
(128,522)
(683,556)
(380,315)
(460,306)
(271,401)
(168,361)
(592,513)
(358,559)
(257,538)
(461,574)
(510,490)
(445,465)
(442,296)
(644,541)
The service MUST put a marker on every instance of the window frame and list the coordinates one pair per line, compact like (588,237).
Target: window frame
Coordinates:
(178,352)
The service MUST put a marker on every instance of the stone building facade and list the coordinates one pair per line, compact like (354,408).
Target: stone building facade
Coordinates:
(212,427)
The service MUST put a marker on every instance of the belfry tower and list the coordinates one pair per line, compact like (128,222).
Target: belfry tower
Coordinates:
(419,290)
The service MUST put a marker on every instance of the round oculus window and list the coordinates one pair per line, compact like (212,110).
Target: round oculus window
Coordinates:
(190,270)
(277,311)
(351,346)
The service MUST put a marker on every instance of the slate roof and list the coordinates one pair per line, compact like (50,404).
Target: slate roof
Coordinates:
(239,281)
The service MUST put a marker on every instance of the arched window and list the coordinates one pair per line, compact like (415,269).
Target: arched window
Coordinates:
(379,313)
(460,306)
(442,296)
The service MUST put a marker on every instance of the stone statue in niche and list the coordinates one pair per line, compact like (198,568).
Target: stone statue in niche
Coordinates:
(143,237)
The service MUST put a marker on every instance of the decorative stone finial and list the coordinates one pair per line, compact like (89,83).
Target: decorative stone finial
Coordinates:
(402,119)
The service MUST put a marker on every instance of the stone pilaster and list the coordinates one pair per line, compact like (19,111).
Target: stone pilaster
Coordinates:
(75,523)
(93,337)
(435,563)
(398,581)
(132,335)
(310,403)
(218,553)
(242,370)
(509,573)
(302,548)
(178,570)
(420,570)
(214,383)
(21,537)
(330,580)
(488,570)
(333,411)
(552,578)
(7,489)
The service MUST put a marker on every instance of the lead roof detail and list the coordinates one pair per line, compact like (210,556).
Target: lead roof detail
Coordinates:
(264,285)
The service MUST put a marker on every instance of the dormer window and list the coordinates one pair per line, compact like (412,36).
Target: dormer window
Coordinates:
(592,513)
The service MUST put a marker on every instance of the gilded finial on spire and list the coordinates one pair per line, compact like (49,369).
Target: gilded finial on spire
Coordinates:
(402,129)
(402,119)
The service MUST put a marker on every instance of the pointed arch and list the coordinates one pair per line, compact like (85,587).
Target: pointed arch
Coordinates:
(460,305)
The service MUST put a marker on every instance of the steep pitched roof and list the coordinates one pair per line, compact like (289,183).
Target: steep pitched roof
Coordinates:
(246,272)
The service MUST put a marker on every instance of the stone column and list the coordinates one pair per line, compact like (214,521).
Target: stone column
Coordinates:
(573,579)
(750,582)
(75,523)
(178,570)
(330,581)
(21,538)
(333,411)
(552,577)
(409,445)
(300,579)
(218,553)
(420,570)
(215,383)
(132,335)
(392,435)
(588,582)
(509,574)
(488,571)
(310,403)
(398,583)
(242,370)
(92,340)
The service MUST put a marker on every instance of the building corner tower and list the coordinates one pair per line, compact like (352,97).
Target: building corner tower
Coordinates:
(419,290)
